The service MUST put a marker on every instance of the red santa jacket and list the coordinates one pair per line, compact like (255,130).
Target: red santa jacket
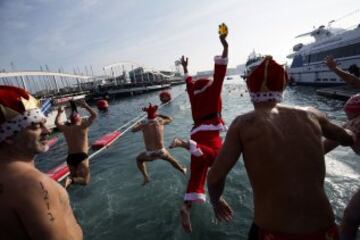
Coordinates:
(205,99)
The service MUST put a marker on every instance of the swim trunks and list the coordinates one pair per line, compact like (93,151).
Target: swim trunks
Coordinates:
(155,153)
(256,233)
(75,159)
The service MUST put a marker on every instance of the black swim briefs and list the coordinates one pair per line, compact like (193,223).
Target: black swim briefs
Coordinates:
(75,159)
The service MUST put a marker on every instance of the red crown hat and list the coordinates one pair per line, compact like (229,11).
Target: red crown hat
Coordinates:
(18,110)
(201,85)
(267,81)
(352,106)
(151,111)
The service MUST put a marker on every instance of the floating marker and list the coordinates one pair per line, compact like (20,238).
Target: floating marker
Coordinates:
(105,140)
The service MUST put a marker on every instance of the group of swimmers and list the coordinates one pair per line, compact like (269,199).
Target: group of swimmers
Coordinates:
(283,150)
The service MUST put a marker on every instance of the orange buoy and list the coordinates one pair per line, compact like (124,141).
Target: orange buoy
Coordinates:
(165,96)
(102,105)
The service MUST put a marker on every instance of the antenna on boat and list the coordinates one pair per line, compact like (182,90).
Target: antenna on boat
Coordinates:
(329,23)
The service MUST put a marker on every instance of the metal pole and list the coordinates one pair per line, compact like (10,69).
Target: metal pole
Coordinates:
(23,82)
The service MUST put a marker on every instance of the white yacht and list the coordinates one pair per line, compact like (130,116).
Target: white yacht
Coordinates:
(307,66)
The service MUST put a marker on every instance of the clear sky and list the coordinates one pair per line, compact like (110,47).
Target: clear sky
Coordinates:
(78,33)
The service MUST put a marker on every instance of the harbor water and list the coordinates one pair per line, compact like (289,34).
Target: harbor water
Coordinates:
(116,206)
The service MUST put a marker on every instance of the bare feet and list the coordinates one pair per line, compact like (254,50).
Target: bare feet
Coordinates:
(68,182)
(185,219)
(177,142)
(146,181)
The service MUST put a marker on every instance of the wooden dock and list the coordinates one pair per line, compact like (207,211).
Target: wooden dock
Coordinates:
(340,93)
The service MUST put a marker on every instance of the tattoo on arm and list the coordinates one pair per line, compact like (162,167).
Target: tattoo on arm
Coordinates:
(47,202)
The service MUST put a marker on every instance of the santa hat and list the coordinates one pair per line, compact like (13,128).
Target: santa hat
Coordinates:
(75,117)
(267,81)
(18,110)
(201,85)
(151,111)
(352,107)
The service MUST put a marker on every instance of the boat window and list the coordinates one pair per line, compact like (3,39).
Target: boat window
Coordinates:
(297,61)
(340,52)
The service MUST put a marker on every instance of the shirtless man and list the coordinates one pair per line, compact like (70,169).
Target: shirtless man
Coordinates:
(32,205)
(351,219)
(284,158)
(76,136)
(153,133)
(205,140)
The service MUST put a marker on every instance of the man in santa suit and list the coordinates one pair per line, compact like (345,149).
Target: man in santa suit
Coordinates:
(205,141)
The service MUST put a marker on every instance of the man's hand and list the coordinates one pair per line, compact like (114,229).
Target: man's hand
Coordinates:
(223,32)
(222,210)
(184,62)
(330,62)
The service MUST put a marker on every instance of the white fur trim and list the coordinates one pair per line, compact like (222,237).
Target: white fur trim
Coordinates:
(195,197)
(204,88)
(194,150)
(220,61)
(257,97)
(20,122)
(209,127)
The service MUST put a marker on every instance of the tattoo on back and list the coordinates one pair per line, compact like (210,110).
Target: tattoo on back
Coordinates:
(47,202)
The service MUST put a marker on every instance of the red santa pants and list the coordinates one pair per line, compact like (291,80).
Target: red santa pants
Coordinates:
(204,148)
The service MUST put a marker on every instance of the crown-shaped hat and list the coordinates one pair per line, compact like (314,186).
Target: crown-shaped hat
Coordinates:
(18,110)
(352,106)
(15,101)
(151,111)
(267,81)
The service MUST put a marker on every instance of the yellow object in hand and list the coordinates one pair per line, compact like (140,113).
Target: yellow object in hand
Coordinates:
(223,30)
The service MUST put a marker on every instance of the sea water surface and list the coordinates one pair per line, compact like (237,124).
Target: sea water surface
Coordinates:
(116,206)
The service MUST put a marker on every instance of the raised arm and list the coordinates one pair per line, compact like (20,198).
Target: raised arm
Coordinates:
(225,161)
(189,82)
(222,36)
(59,125)
(346,76)
(184,63)
(220,62)
(93,114)
(165,119)
(137,127)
